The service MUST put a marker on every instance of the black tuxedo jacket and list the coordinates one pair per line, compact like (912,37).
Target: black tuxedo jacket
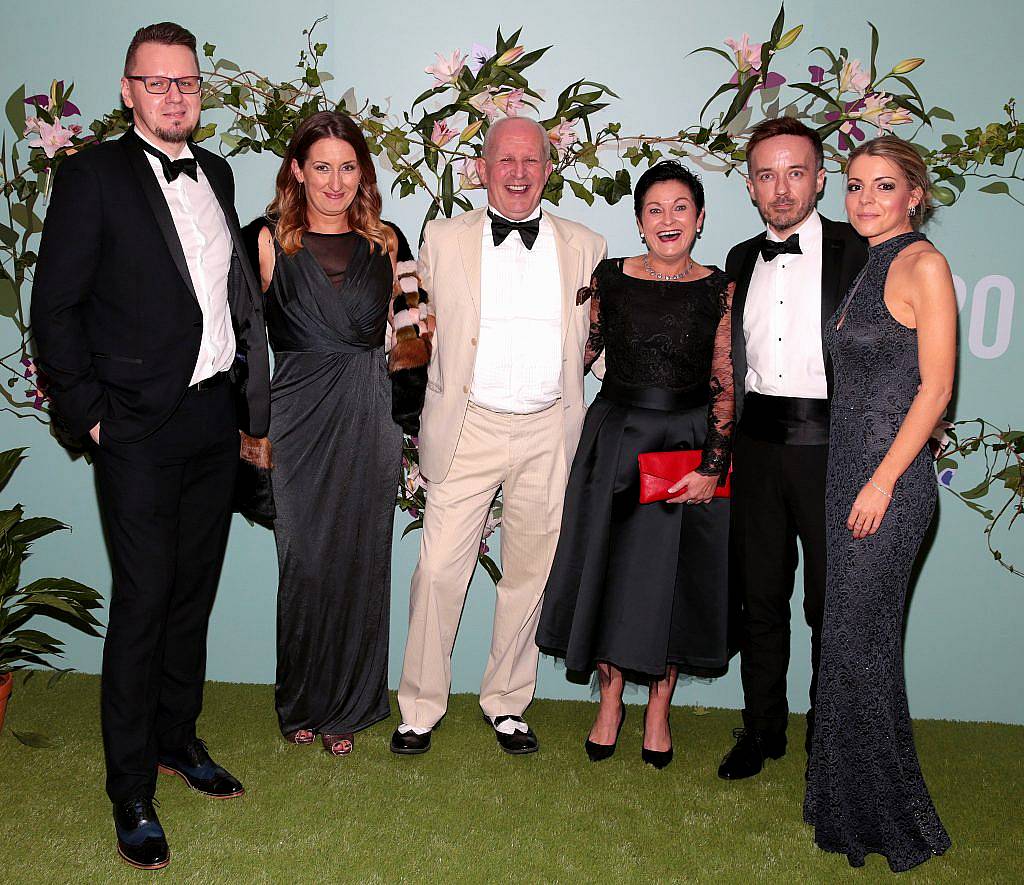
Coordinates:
(114,312)
(843,254)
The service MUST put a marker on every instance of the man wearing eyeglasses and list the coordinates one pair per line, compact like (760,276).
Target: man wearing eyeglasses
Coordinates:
(142,304)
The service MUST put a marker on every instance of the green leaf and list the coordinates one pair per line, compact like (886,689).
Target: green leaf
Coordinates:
(416,524)
(941,114)
(581,191)
(740,101)
(874,50)
(37,527)
(33,739)
(9,301)
(979,491)
(8,236)
(725,87)
(729,58)
(996,187)
(9,462)
(817,92)
(209,49)
(779,24)
(943,195)
(227,65)
(25,217)
(16,111)
(204,132)
(491,567)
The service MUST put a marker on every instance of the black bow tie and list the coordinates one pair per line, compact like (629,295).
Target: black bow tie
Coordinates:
(771,248)
(172,168)
(502,227)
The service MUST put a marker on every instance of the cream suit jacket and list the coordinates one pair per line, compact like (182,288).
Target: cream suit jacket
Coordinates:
(450,271)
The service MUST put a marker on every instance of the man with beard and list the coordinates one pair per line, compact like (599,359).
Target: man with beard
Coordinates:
(143,300)
(789,281)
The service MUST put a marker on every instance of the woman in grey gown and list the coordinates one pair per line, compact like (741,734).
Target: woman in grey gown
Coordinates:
(893,348)
(327,266)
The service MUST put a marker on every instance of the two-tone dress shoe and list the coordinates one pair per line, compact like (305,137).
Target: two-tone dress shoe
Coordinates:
(752,748)
(406,742)
(192,763)
(514,736)
(140,838)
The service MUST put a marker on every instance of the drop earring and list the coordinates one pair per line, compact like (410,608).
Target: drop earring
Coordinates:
(643,238)
(913,211)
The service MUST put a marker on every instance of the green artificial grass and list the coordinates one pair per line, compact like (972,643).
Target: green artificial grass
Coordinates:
(467,812)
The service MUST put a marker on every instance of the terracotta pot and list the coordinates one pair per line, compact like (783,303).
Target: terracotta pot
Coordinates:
(6,684)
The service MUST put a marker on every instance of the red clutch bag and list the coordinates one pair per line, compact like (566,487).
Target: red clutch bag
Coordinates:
(659,471)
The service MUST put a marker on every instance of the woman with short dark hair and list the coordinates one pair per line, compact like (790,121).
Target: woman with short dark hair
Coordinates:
(639,591)
(327,264)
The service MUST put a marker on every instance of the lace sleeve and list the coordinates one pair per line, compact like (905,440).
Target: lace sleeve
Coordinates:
(595,340)
(718,445)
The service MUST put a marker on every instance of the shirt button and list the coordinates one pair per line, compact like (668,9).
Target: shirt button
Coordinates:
(465,388)
(472,341)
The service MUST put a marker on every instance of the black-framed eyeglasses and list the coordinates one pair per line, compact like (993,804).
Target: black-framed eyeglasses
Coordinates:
(162,85)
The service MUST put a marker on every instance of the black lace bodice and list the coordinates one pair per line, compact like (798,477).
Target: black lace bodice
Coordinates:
(675,335)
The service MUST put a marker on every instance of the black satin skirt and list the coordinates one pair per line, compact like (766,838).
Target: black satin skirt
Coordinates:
(640,586)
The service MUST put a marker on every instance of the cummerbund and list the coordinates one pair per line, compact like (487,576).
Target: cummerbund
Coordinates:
(790,420)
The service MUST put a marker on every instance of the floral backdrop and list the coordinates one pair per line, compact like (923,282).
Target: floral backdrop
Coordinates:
(431,146)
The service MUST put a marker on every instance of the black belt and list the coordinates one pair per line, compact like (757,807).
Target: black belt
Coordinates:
(209,383)
(664,399)
(790,420)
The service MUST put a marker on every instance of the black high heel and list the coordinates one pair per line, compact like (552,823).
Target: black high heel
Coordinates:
(658,758)
(600,752)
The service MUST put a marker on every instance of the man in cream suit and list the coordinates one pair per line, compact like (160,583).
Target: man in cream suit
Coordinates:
(504,408)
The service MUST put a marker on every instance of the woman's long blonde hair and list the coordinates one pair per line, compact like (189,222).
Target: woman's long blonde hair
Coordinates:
(288,210)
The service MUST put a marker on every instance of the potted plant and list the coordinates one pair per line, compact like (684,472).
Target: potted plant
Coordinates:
(61,599)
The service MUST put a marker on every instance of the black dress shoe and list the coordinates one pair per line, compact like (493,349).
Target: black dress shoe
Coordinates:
(600,752)
(518,743)
(658,758)
(140,838)
(410,743)
(192,763)
(747,758)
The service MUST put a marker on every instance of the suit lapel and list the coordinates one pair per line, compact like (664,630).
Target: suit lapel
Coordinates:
(831,278)
(739,301)
(568,271)
(161,212)
(470,246)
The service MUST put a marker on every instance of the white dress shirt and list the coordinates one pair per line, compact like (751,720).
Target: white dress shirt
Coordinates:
(519,352)
(206,242)
(782,320)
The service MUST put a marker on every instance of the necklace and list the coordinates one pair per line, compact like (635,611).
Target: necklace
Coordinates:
(666,277)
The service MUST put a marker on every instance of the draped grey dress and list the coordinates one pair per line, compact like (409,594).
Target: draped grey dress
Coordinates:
(865,791)
(337,455)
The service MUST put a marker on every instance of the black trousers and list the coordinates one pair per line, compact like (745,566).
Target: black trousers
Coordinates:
(778,497)
(166,506)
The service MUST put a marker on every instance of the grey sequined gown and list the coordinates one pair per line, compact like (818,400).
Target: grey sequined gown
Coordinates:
(865,791)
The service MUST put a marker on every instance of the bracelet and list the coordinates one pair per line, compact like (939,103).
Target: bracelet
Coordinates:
(875,485)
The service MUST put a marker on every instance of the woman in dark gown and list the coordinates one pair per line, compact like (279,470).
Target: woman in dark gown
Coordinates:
(641,589)
(893,348)
(327,266)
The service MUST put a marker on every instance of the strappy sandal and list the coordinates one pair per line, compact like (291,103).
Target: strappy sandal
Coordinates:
(300,736)
(338,744)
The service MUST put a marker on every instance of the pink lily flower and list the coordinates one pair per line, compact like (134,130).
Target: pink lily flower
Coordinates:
(447,69)
(748,55)
(853,79)
(509,55)
(562,136)
(442,133)
(484,103)
(883,114)
(51,138)
(509,103)
(469,178)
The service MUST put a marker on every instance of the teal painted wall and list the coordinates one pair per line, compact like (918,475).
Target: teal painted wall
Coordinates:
(963,639)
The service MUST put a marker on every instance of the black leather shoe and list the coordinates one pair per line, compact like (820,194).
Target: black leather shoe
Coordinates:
(747,758)
(410,743)
(599,752)
(192,763)
(519,743)
(658,758)
(140,838)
